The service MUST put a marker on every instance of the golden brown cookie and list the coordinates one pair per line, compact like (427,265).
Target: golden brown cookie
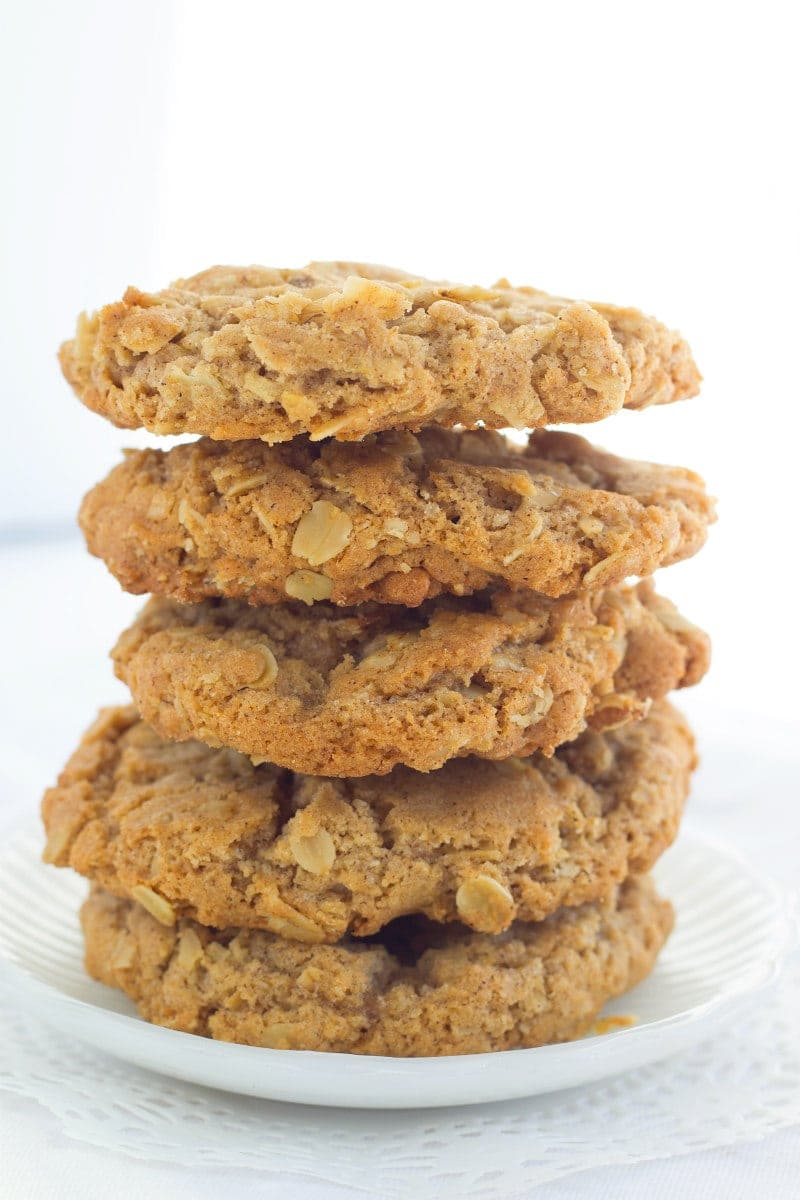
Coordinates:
(334,691)
(194,832)
(394,518)
(416,990)
(345,349)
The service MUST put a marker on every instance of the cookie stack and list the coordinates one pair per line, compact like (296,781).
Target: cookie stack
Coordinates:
(401,756)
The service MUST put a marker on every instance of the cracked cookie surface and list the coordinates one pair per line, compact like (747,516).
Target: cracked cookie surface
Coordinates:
(395,519)
(349,692)
(193,832)
(347,349)
(416,990)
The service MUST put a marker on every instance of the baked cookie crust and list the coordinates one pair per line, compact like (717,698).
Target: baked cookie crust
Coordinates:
(349,692)
(417,990)
(347,349)
(395,518)
(193,832)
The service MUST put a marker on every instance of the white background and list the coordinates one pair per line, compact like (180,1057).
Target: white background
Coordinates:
(640,153)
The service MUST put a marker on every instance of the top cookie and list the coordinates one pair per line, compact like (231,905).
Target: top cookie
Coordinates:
(347,349)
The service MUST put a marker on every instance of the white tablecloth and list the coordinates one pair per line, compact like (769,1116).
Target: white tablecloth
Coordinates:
(62,613)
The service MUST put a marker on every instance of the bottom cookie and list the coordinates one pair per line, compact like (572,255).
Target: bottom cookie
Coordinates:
(414,990)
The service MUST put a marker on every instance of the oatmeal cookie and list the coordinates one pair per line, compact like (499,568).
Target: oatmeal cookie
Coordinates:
(193,832)
(416,990)
(346,349)
(357,691)
(394,519)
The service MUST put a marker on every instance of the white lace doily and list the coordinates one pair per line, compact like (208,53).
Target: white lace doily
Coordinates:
(740,1086)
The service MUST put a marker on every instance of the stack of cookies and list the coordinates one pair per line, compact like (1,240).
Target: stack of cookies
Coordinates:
(401,755)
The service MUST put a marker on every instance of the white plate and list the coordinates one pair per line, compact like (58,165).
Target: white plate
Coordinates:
(733,931)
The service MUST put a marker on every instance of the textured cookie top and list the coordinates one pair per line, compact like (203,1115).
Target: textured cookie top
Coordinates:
(395,518)
(345,349)
(191,831)
(338,691)
(416,991)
